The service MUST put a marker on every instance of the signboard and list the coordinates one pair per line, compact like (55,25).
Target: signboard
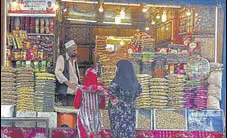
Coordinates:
(209,120)
(31,6)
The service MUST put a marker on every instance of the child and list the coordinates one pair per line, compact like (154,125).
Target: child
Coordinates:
(89,99)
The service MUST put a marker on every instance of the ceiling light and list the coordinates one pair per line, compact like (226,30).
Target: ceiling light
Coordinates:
(147,28)
(101,8)
(196,14)
(153,22)
(145,9)
(115,23)
(158,17)
(118,19)
(164,17)
(188,13)
(122,43)
(122,14)
(65,10)
(167,29)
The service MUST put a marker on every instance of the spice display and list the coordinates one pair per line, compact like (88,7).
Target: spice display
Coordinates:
(176,91)
(44,92)
(209,120)
(32,47)
(143,118)
(8,86)
(105,119)
(170,119)
(144,100)
(33,25)
(25,89)
(159,93)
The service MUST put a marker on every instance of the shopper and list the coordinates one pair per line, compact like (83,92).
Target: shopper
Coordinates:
(67,74)
(89,99)
(126,88)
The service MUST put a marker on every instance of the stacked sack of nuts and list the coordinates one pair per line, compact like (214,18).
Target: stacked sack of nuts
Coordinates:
(159,93)
(45,84)
(144,100)
(25,89)
(176,91)
(143,119)
(215,86)
(8,86)
(170,119)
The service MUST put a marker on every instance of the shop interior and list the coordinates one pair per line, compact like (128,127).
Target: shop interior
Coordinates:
(177,49)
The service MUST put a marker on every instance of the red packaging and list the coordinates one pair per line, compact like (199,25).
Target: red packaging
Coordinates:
(30,54)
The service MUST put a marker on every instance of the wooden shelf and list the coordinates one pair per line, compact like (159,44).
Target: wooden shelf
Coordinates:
(202,33)
(30,15)
(41,34)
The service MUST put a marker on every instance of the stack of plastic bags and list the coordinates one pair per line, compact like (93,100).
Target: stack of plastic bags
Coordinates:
(172,58)
(195,95)
(159,93)
(25,89)
(176,91)
(159,56)
(100,44)
(215,86)
(144,100)
(148,54)
(147,68)
(8,86)
(45,84)
(183,58)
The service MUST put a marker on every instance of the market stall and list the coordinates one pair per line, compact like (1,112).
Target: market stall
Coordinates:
(174,48)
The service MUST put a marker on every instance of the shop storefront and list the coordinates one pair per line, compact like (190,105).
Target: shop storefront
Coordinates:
(178,51)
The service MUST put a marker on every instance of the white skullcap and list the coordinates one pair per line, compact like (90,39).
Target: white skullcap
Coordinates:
(69,44)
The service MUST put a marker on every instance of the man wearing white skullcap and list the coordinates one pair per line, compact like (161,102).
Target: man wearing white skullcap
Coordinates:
(67,74)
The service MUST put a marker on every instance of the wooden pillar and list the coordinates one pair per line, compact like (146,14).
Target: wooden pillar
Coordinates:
(175,27)
(2,30)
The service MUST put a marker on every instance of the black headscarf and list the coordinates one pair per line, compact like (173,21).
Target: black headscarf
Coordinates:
(125,76)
